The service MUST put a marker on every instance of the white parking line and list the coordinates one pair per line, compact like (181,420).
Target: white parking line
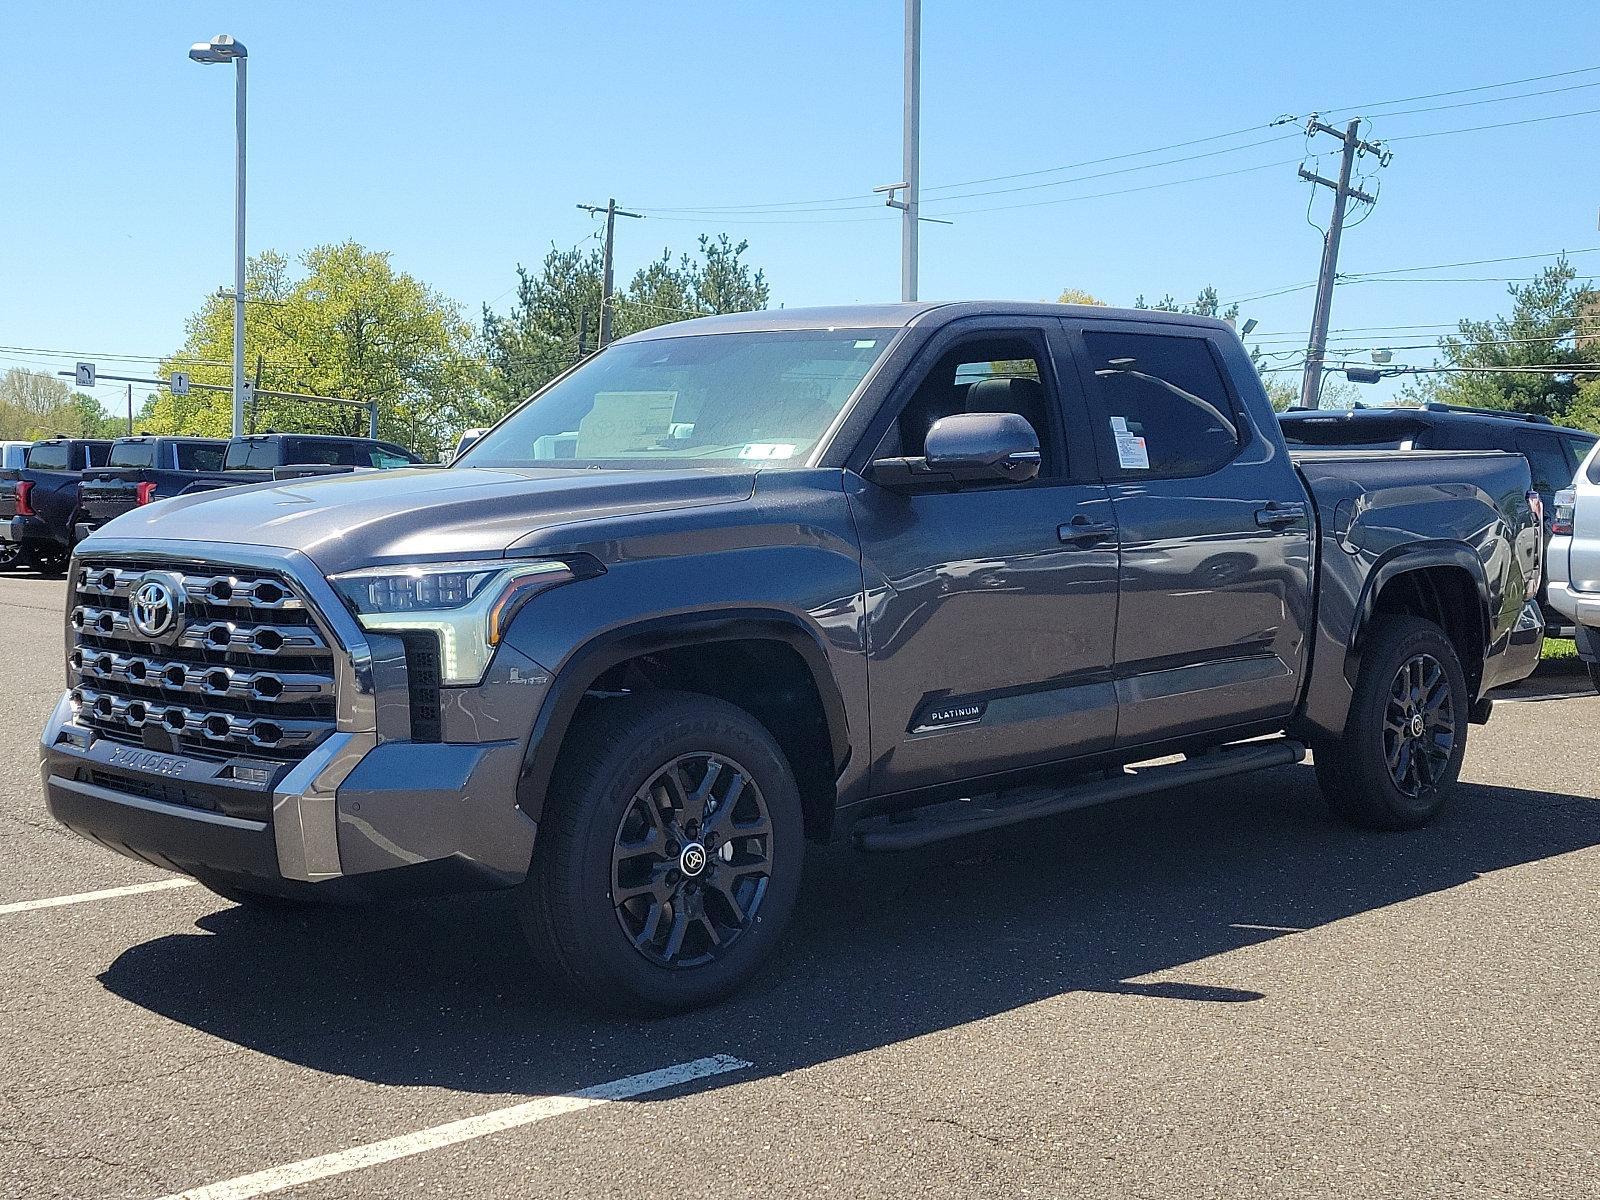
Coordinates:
(275,1179)
(133,889)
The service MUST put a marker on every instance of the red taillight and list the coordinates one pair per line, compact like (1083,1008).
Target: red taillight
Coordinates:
(1561,519)
(24,509)
(144,493)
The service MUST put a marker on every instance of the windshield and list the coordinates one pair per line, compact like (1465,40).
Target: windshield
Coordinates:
(762,397)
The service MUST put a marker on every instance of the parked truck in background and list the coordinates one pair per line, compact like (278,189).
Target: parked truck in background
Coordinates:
(12,457)
(142,469)
(893,574)
(153,468)
(39,506)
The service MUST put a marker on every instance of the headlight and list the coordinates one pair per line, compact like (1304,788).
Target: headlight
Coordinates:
(468,605)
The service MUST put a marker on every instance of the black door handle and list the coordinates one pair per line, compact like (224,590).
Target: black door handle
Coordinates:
(1084,532)
(1274,515)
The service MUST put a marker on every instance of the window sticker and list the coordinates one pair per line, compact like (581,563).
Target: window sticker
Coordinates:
(1131,454)
(865,344)
(768,450)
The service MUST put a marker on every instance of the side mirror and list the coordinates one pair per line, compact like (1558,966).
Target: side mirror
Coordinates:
(968,448)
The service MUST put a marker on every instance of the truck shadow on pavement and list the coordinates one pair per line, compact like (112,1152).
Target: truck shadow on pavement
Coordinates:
(882,949)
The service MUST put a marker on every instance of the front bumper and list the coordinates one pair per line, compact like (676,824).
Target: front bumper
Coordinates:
(354,818)
(367,811)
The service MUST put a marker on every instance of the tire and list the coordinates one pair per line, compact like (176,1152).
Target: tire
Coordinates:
(11,556)
(51,563)
(614,880)
(1388,771)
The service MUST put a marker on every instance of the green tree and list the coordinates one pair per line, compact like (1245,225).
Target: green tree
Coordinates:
(35,404)
(538,338)
(348,325)
(1206,304)
(1549,325)
(1074,295)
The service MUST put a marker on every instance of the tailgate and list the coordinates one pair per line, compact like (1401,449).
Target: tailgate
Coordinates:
(106,494)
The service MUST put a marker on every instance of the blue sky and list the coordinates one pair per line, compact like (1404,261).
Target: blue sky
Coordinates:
(460,137)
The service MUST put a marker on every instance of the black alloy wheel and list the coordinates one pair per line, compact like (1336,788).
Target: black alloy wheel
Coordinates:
(1419,726)
(691,861)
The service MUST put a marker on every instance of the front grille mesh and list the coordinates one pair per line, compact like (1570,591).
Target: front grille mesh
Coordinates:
(250,673)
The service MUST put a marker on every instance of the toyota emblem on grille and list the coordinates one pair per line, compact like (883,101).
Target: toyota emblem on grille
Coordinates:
(155,607)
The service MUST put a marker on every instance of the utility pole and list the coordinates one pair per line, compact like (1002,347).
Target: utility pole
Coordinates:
(612,212)
(1311,383)
(130,410)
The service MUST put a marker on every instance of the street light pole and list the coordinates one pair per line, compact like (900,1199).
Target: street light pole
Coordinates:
(238,245)
(224,49)
(910,134)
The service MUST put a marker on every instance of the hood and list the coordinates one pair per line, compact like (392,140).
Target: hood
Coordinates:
(356,520)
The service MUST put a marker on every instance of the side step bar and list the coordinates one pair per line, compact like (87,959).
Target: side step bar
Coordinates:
(953,818)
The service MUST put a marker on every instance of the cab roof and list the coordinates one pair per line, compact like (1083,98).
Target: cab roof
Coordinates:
(905,315)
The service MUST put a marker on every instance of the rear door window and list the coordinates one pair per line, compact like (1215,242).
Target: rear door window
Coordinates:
(1168,408)
(97,453)
(193,457)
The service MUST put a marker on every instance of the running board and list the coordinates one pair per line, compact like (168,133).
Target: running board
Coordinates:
(953,818)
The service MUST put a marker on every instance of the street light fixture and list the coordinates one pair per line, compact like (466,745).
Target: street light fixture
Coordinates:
(224,49)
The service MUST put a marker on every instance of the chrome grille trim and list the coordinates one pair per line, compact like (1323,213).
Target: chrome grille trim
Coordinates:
(99,709)
(222,590)
(252,638)
(214,686)
(198,679)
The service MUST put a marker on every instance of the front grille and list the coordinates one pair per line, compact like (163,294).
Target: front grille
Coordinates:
(249,674)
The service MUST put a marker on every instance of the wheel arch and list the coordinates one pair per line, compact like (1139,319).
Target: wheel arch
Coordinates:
(704,639)
(1442,582)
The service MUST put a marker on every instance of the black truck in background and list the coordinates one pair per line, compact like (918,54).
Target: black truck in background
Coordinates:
(39,503)
(144,469)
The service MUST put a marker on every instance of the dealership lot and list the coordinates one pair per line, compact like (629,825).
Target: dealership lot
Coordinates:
(1213,992)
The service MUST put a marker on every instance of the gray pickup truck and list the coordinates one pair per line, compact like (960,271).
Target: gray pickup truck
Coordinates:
(892,574)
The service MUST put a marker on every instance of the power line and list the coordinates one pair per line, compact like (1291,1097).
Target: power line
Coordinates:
(1482,87)
(1413,137)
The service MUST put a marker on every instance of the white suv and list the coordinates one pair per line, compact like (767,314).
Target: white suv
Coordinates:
(1573,561)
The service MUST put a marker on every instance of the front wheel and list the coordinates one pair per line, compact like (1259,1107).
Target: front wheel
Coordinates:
(668,860)
(1406,732)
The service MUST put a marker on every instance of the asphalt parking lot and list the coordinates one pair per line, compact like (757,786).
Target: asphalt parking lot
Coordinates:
(1218,992)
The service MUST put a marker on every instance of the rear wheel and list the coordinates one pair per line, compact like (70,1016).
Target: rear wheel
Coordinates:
(1406,732)
(47,561)
(669,857)
(10,556)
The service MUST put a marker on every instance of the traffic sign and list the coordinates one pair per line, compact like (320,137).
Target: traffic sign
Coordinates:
(85,374)
(180,383)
